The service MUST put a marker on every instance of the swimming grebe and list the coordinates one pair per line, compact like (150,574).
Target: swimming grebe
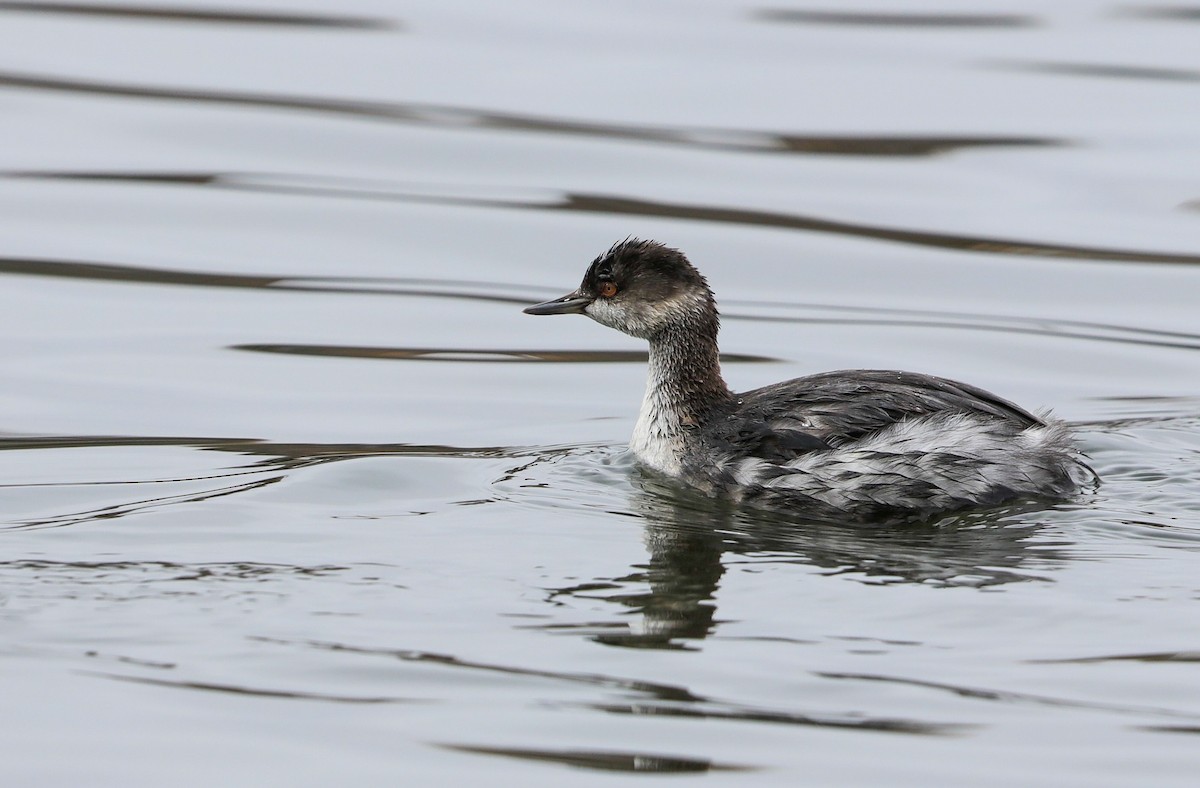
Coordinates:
(868,443)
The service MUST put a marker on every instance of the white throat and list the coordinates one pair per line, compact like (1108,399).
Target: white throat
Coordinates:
(658,437)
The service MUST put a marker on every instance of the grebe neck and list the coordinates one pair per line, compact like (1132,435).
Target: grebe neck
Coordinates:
(683,386)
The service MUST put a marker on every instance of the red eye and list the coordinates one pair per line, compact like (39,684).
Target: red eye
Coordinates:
(608,289)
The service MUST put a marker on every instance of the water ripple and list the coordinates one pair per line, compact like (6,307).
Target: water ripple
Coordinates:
(125,508)
(900,19)
(224,16)
(612,204)
(1170,13)
(665,699)
(479,355)
(817,314)
(621,205)
(257,692)
(845,722)
(1158,656)
(1005,696)
(604,760)
(1107,71)
(451,117)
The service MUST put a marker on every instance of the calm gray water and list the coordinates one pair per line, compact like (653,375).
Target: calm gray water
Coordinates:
(291,493)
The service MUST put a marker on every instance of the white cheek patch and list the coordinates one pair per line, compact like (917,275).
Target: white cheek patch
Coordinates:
(601,311)
(616,314)
(643,318)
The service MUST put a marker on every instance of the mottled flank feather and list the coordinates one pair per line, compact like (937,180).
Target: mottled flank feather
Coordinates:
(937,462)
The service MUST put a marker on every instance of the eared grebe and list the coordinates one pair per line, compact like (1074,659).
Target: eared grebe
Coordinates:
(868,443)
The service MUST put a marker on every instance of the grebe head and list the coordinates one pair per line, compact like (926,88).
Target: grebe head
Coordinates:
(641,288)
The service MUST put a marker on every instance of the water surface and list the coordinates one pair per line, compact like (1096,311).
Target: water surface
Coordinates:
(291,491)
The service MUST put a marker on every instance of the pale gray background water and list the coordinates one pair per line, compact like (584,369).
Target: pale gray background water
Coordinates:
(293,494)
